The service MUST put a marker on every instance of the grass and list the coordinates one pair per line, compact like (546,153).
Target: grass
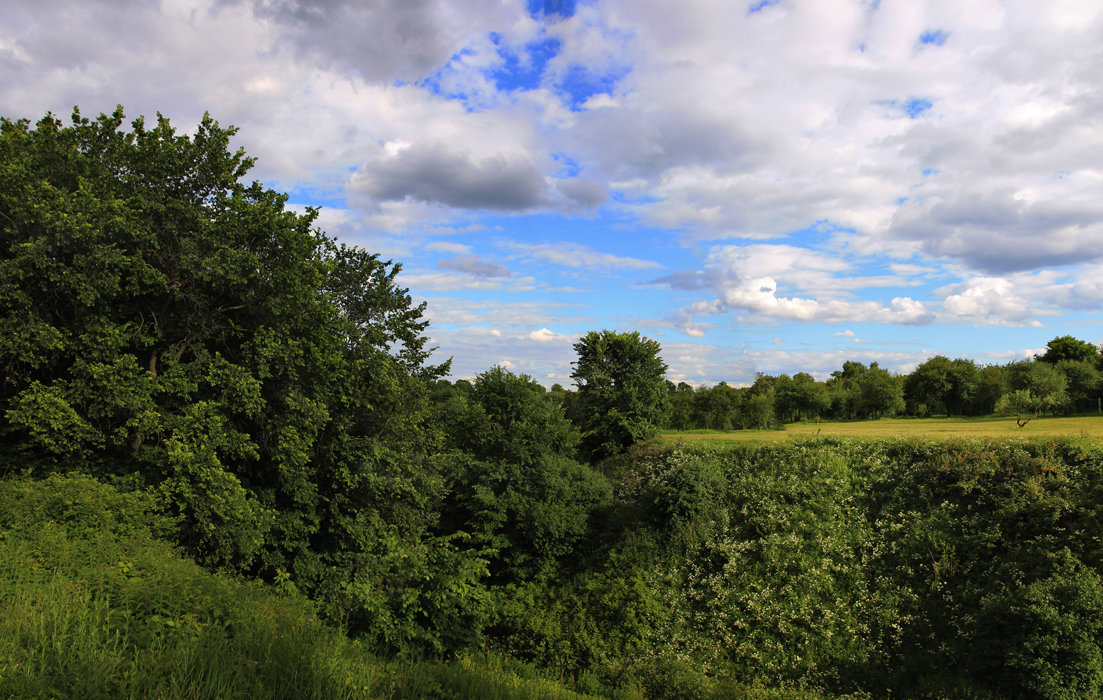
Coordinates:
(922,428)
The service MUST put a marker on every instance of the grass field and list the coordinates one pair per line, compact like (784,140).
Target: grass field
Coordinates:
(925,428)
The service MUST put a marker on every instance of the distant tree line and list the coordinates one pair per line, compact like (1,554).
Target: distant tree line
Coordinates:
(1066,379)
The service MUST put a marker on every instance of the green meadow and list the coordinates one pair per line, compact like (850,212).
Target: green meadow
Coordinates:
(919,428)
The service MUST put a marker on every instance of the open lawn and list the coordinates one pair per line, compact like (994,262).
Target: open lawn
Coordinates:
(932,428)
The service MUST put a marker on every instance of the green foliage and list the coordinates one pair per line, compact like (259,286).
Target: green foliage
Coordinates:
(864,392)
(515,485)
(621,382)
(507,417)
(1049,632)
(1085,385)
(92,606)
(800,397)
(1067,348)
(676,488)
(985,570)
(1037,387)
(163,319)
(425,598)
(934,387)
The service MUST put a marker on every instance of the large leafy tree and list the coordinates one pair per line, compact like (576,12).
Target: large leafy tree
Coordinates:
(163,321)
(621,381)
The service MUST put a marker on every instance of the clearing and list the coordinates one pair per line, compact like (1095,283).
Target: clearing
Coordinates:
(931,428)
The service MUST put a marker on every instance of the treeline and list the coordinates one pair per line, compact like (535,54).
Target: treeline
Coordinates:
(1058,382)
(1066,379)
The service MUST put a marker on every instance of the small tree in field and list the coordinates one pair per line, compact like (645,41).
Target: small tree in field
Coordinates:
(622,384)
(1041,387)
(1025,405)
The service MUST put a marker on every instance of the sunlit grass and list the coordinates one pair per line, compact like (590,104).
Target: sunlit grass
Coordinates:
(923,428)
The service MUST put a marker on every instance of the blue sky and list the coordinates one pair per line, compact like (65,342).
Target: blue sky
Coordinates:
(773,186)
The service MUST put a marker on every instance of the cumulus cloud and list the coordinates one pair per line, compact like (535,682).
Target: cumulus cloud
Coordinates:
(1021,299)
(999,232)
(439,173)
(747,280)
(986,299)
(584,192)
(543,335)
(384,40)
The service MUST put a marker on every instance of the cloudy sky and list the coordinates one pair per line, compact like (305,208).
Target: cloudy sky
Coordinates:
(760,185)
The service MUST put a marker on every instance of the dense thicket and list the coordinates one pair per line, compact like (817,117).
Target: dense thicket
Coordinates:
(904,568)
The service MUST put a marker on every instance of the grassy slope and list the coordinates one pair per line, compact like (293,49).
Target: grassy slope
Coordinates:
(93,605)
(923,428)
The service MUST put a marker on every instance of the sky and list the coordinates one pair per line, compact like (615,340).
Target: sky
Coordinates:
(760,185)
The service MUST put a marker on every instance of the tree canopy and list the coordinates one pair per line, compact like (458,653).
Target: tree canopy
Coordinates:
(1066,347)
(621,380)
(167,323)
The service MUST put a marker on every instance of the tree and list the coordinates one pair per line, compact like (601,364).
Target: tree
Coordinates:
(679,415)
(716,408)
(516,487)
(162,320)
(928,387)
(621,384)
(991,385)
(1025,405)
(1083,384)
(880,393)
(1036,387)
(800,397)
(1066,347)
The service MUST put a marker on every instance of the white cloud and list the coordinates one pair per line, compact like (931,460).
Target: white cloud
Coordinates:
(543,335)
(747,280)
(447,282)
(449,248)
(510,316)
